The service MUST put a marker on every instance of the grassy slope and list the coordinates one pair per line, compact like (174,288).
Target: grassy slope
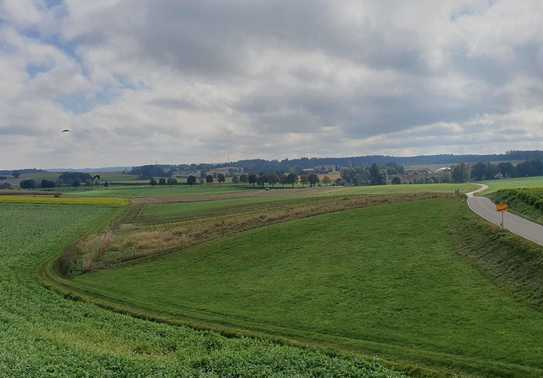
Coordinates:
(384,279)
(44,334)
(518,204)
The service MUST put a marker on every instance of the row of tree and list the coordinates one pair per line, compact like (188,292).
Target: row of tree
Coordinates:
(372,175)
(261,179)
(74,179)
(488,171)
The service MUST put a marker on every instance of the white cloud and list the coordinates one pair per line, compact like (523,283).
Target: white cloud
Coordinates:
(183,81)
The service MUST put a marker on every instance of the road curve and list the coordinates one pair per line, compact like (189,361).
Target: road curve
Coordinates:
(486,209)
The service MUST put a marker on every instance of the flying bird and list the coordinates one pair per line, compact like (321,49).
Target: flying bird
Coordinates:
(66,131)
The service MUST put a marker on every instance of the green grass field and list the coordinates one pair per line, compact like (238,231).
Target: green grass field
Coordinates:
(407,188)
(258,199)
(384,279)
(527,182)
(43,334)
(133,191)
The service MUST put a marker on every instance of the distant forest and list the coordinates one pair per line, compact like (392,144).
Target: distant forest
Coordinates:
(296,165)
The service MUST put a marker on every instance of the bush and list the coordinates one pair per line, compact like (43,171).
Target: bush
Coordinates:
(75,178)
(172,181)
(27,184)
(162,181)
(48,184)
(191,180)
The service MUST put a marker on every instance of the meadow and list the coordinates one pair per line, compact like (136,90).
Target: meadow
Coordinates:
(45,334)
(513,183)
(337,280)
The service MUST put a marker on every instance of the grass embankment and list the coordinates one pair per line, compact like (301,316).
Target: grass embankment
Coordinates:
(43,334)
(525,202)
(62,200)
(425,282)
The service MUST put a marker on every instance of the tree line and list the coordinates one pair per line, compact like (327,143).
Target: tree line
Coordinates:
(301,164)
(73,179)
(263,179)
(489,171)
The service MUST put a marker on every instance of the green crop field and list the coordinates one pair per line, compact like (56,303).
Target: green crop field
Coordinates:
(62,200)
(43,333)
(387,279)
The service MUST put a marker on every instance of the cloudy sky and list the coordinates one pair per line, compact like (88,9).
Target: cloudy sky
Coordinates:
(170,81)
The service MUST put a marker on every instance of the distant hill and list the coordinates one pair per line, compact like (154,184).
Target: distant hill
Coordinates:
(261,165)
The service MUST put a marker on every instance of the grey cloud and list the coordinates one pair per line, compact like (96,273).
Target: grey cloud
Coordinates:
(271,78)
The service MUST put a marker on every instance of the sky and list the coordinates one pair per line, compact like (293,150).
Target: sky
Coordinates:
(169,81)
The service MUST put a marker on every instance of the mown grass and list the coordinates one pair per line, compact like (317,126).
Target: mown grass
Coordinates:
(387,279)
(43,334)
(63,200)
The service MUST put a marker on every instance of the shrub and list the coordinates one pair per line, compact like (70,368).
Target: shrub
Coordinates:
(27,184)
(48,184)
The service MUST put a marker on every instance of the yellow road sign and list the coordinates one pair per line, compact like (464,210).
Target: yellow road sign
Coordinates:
(502,207)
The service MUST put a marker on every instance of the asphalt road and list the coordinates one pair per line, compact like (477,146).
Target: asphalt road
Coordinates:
(486,209)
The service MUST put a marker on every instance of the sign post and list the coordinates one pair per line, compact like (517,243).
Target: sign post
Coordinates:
(502,208)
